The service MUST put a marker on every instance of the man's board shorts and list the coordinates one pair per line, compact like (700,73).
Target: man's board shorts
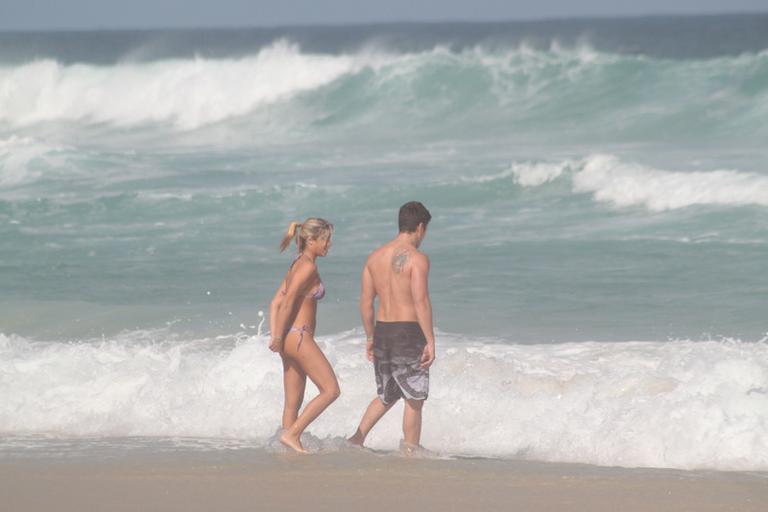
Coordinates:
(397,351)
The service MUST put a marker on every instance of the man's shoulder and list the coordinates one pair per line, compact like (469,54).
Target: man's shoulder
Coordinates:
(405,255)
(419,257)
(378,252)
(409,257)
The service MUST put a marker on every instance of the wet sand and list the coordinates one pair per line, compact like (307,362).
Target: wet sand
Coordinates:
(362,481)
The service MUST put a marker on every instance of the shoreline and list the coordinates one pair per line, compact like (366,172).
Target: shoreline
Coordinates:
(354,479)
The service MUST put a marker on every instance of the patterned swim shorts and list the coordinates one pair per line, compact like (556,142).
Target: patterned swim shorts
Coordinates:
(397,350)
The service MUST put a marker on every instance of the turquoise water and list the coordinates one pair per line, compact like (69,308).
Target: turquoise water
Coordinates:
(139,189)
(599,194)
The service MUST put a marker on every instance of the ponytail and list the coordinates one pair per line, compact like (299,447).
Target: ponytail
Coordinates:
(312,228)
(293,229)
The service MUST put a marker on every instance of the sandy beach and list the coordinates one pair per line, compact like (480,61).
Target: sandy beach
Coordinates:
(598,194)
(235,481)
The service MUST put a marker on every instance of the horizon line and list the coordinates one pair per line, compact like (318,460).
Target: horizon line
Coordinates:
(447,21)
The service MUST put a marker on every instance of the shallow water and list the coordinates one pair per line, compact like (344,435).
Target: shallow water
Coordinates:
(593,184)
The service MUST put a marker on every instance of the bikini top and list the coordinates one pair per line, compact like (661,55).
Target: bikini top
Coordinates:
(318,293)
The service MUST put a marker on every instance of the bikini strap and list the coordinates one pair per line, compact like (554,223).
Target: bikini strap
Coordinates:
(284,291)
(301,331)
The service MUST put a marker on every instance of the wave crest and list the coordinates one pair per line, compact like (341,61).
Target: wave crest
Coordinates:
(661,404)
(185,93)
(627,184)
(472,87)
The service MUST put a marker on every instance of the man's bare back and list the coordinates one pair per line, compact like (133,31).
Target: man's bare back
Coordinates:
(390,267)
(400,339)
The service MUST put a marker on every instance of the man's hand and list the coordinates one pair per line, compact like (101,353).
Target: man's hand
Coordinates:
(369,349)
(276,345)
(428,356)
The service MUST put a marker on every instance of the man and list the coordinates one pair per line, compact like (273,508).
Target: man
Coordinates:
(402,342)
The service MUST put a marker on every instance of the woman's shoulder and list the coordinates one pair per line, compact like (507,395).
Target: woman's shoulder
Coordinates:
(304,266)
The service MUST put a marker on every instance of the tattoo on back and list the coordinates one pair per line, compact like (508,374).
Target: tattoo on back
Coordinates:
(399,260)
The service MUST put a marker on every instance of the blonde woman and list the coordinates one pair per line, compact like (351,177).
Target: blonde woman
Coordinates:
(292,317)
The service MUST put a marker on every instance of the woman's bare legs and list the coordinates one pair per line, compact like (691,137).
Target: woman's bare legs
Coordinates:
(311,360)
(376,409)
(294,383)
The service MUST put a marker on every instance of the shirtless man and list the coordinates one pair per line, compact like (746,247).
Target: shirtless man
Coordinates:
(401,344)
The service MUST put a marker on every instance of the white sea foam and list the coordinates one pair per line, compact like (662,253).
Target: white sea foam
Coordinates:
(187,93)
(630,184)
(18,156)
(677,404)
(533,175)
(526,174)
(626,184)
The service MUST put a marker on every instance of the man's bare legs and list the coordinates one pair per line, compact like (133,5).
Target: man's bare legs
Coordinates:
(313,363)
(412,423)
(376,409)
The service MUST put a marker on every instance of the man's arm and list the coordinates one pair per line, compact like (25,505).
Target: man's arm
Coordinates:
(423,306)
(367,295)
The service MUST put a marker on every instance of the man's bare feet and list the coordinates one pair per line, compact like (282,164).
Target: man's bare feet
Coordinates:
(357,438)
(292,442)
(412,450)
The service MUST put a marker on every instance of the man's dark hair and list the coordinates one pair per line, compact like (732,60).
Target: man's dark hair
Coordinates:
(411,215)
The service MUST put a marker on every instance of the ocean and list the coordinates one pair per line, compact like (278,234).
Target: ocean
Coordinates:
(599,242)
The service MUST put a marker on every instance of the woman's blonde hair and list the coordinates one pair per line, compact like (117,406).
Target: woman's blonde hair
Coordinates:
(311,229)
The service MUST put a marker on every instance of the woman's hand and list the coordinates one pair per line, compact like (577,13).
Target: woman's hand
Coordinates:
(276,345)
(288,300)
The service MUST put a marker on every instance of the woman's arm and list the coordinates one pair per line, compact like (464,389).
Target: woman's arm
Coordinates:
(288,307)
(274,307)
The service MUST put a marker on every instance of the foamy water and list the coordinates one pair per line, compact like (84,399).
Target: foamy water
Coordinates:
(183,93)
(626,184)
(519,89)
(677,404)
(591,184)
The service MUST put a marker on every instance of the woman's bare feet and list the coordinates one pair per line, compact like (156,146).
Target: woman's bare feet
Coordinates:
(292,442)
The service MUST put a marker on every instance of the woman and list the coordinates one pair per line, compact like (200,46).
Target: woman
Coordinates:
(292,316)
